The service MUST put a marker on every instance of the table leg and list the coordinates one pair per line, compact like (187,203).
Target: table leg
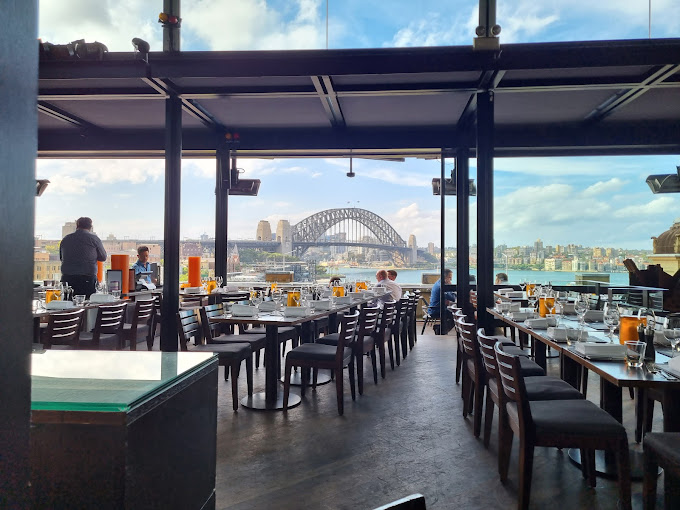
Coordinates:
(539,353)
(570,370)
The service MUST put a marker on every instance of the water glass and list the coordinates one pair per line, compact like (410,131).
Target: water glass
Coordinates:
(115,294)
(635,353)
(611,319)
(79,300)
(671,331)
(574,336)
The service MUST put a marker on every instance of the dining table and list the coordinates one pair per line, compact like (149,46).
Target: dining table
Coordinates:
(272,398)
(614,376)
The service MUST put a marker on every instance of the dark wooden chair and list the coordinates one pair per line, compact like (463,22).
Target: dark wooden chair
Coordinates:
(394,345)
(230,355)
(157,305)
(474,375)
(108,329)
(412,327)
(427,318)
(404,328)
(315,356)
(383,334)
(556,423)
(412,502)
(212,332)
(541,387)
(362,345)
(661,449)
(141,328)
(63,328)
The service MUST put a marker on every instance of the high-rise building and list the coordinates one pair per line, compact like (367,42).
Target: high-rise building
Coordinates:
(68,228)
(414,248)
(430,248)
(264,231)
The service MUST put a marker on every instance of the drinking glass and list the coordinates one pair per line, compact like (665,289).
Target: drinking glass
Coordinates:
(532,299)
(276,296)
(611,319)
(257,299)
(574,336)
(581,307)
(79,300)
(635,353)
(671,330)
(522,285)
(115,294)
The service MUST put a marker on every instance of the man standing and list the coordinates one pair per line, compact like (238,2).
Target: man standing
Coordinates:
(450,298)
(142,265)
(79,253)
(393,290)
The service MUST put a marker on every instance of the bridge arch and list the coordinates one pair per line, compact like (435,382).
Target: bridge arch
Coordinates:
(313,227)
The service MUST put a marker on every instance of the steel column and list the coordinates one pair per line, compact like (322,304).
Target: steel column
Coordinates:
(222,185)
(442,248)
(171,39)
(463,229)
(173,195)
(485,148)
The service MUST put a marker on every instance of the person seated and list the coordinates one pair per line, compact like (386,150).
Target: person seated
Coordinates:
(142,265)
(392,274)
(501,279)
(449,297)
(393,290)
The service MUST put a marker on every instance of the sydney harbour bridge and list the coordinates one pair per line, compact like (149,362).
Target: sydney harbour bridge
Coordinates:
(349,227)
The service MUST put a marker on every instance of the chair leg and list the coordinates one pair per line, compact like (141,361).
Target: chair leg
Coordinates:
(383,362)
(375,366)
(404,340)
(397,354)
(623,464)
(339,394)
(649,481)
(505,436)
(257,359)
(488,417)
(359,360)
(459,363)
(226,372)
(390,350)
(249,374)
(526,465)
(479,403)
(234,384)
(286,385)
(315,378)
(427,319)
(352,384)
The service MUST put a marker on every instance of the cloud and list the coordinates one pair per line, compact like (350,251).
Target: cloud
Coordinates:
(434,29)
(614,184)
(656,207)
(411,219)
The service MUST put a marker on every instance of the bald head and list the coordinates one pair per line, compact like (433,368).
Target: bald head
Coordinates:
(381,275)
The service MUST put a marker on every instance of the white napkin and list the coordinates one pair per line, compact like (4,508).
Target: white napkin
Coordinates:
(343,300)
(322,304)
(594,316)
(674,366)
(295,311)
(102,298)
(356,295)
(503,292)
(243,310)
(267,306)
(193,290)
(60,305)
(614,351)
(568,309)
(520,316)
(515,294)
(560,334)
(541,323)
(515,307)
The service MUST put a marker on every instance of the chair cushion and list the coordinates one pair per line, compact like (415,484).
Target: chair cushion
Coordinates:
(332,336)
(225,351)
(257,342)
(107,341)
(550,388)
(666,447)
(514,350)
(286,330)
(529,368)
(573,417)
(315,351)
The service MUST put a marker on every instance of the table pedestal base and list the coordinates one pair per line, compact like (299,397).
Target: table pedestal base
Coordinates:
(607,469)
(324,377)
(258,401)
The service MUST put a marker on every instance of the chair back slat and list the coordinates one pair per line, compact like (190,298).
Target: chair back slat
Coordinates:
(348,326)
(368,321)
(487,350)
(508,371)
(110,318)
(189,326)
(144,310)
(210,330)
(63,328)
(385,322)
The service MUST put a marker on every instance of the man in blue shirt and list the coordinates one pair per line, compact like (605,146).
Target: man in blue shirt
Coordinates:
(142,264)
(450,298)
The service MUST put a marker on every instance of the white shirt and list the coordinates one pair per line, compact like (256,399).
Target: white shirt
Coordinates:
(393,289)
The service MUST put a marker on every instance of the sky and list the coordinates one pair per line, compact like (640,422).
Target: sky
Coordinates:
(592,201)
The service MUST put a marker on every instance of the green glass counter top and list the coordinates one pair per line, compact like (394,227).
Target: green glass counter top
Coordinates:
(108,381)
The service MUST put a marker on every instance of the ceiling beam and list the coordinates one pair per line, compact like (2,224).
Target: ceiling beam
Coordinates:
(329,100)
(60,114)
(190,106)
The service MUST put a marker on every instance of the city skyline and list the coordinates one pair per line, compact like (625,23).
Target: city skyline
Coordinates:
(590,200)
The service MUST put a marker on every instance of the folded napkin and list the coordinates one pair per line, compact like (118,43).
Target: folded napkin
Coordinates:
(568,309)
(594,316)
(540,323)
(368,293)
(356,295)
(380,290)
(515,307)
(193,290)
(521,316)
(102,298)
(674,366)
(597,350)
(60,305)
(559,334)
(343,300)
(504,292)
(515,294)
(243,310)
(267,306)
(295,311)
(322,304)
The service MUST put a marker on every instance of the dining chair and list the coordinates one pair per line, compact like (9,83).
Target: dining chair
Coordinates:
(404,328)
(383,334)
(427,318)
(474,375)
(540,387)
(141,327)
(157,305)
(108,329)
(661,449)
(316,356)
(395,340)
(413,299)
(229,355)
(576,423)
(213,334)
(363,344)
(63,328)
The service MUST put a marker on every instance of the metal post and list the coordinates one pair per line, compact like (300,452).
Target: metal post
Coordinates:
(442,248)
(171,33)
(485,149)
(463,229)
(173,178)
(222,185)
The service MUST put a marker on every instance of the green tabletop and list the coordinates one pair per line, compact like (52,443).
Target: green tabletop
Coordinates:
(108,381)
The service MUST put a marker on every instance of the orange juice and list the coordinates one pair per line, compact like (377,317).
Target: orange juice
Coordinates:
(274,286)
(212,285)
(360,286)
(544,304)
(628,327)
(338,291)
(52,295)
(293,298)
(530,289)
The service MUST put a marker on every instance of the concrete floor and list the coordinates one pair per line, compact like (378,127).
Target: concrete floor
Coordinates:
(403,436)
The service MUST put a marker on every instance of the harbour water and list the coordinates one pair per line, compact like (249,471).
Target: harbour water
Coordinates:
(514,277)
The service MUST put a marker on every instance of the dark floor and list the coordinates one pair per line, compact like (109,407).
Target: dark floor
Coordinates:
(403,436)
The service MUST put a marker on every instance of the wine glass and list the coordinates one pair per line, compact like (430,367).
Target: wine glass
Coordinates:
(522,285)
(257,299)
(276,297)
(611,319)
(671,330)
(581,308)
(532,299)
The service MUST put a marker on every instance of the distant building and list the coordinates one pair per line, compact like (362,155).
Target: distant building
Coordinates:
(430,248)
(284,235)
(264,231)
(414,248)
(68,228)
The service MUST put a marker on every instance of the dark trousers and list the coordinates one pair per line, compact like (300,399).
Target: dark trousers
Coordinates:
(448,321)
(82,284)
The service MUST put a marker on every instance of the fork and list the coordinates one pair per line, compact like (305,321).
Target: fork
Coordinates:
(654,369)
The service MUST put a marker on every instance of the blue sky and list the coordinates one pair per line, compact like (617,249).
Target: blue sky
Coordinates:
(601,201)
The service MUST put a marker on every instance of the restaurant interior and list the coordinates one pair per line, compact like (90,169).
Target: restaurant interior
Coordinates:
(415,423)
